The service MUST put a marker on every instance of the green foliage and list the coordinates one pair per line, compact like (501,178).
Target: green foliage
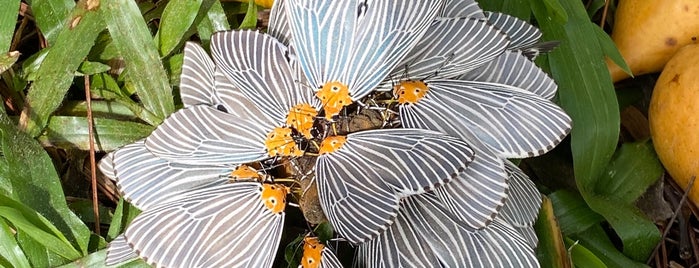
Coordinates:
(133,65)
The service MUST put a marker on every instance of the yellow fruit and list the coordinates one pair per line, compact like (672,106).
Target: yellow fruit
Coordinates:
(649,32)
(262,3)
(674,118)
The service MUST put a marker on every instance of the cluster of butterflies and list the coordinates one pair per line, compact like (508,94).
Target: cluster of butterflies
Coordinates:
(430,186)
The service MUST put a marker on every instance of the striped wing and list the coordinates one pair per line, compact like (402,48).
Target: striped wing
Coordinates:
(197,78)
(279,22)
(514,69)
(462,9)
(357,42)
(119,251)
(513,122)
(201,135)
(257,64)
(452,46)
(222,226)
(476,196)
(401,245)
(106,166)
(425,235)
(361,183)
(147,181)
(329,259)
(522,34)
(522,206)
(234,102)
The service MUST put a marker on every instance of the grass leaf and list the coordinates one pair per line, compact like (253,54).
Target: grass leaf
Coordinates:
(51,16)
(58,68)
(144,70)
(27,175)
(72,132)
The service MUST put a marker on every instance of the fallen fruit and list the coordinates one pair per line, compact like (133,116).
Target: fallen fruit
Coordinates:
(674,118)
(262,3)
(649,32)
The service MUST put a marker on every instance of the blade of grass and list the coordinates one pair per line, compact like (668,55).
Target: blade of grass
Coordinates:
(8,19)
(27,175)
(144,70)
(9,249)
(551,251)
(37,227)
(51,16)
(58,68)
(71,132)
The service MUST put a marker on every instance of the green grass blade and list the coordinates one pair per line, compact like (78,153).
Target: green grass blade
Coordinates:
(9,249)
(27,175)
(58,68)
(36,226)
(551,251)
(635,167)
(8,19)
(51,16)
(586,91)
(72,132)
(144,69)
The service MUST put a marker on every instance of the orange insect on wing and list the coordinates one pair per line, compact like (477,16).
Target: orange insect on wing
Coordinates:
(274,197)
(301,117)
(312,252)
(331,144)
(410,91)
(280,142)
(334,96)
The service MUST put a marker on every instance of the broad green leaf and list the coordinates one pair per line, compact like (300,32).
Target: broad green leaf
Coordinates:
(178,19)
(215,21)
(91,67)
(57,69)
(573,214)
(144,70)
(250,20)
(36,253)
(555,10)
(72,132)
(635,167)
(551,251)
(596,240)
(28,176)
(586,91)
(293,251)
(123,215)
(100,108)
(517,8)
(638,234)
(583,257)
(104,86)
(173,65)
(610,49)
(9,249)
(96,259)
(30,66)
(324,231)
(8,19)
(51,16)
(36,226)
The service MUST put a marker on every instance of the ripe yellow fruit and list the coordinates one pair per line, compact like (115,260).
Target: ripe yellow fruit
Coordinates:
(262,3)
(649,32)
(674,118)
